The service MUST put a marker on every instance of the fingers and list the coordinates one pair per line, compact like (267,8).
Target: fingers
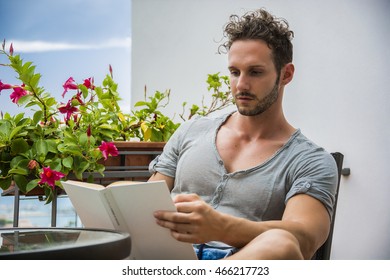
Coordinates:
(187,237)
(185,197)
(178,227)
(187,224)
(174,217)
(181,231)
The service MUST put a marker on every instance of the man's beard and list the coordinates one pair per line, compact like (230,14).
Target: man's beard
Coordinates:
(262,105)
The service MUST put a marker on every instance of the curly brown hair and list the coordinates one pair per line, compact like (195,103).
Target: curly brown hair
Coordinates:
(261,25)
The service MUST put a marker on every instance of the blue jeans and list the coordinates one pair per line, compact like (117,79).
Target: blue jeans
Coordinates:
(205,252)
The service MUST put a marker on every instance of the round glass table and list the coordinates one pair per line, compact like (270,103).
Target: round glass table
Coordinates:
(63,244)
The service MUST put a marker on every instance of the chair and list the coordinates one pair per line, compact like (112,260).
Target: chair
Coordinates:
(323,253)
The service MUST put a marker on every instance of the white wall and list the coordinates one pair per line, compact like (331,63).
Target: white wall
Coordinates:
(339,96)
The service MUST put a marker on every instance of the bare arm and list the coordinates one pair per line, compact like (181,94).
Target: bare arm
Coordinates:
(158,176)
(196,222)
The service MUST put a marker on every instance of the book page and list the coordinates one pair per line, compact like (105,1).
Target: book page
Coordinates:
(138,202)
(87,201)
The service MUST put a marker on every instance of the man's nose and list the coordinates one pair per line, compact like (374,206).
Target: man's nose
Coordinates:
(243,84)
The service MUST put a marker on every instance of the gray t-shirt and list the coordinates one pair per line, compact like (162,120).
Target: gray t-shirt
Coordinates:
(258,193)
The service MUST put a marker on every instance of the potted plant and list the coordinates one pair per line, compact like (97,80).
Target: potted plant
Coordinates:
(52,140)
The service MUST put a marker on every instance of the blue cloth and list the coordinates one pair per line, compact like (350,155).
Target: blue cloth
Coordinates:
(205,252)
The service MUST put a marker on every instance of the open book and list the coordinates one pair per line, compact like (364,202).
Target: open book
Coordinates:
(128,206)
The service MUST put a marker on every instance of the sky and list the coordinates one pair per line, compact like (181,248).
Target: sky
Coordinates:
(68,38)
(63,38)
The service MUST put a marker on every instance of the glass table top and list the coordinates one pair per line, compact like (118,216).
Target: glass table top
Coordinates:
(67,243)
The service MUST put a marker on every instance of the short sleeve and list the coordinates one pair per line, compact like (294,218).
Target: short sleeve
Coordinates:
(166,163)
(316,175)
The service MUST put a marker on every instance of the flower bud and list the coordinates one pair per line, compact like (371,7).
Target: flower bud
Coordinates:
(110,69)
(89,132)
(11,49)
(33,164)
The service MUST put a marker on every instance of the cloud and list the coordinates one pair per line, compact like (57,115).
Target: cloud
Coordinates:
(21,46)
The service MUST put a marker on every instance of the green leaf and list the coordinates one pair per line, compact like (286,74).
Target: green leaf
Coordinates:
(156,135)
(141,103)
(37,117)
(21,162)
(5,183)
(21,182)
(50,101)
(18,170)
(32,184)
(51,146)
(15,131)
(55,164)
(67,162)
(83,139)
(84,90)
(35,80)
(49,195)
(80,164)
(5,128)
(19,146)
(18,118)
(41,147)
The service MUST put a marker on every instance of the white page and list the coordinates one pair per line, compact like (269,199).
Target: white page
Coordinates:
(151,240)
(88,204)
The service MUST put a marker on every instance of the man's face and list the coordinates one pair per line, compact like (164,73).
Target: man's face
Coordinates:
(253,77)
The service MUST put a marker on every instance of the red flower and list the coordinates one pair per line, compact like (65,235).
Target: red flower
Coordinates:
(17,94)
(69,84)
(89,83)
(67,109)
(108,148)
(4,86)
(50,176)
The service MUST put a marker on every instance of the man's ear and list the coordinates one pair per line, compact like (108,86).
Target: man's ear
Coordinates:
(287,73)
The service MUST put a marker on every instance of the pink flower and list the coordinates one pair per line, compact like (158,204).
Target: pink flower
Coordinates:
(68,109)
(50,176)
(11,49)
(89,83)
(17,94)
(69,84)
(4,86)
(108,148)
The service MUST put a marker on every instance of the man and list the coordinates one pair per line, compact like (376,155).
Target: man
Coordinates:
(248,185)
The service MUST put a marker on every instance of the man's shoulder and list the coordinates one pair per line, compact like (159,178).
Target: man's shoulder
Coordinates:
(210,120)
(303,146)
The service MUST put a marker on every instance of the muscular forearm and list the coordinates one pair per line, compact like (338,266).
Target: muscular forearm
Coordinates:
(310,231)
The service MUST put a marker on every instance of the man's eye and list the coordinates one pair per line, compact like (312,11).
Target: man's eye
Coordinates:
(256,73)
(234,73)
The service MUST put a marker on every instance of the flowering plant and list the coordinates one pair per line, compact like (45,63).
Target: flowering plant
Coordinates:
(76,136)
(59,138)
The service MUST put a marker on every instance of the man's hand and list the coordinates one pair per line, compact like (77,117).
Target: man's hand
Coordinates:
(195,221)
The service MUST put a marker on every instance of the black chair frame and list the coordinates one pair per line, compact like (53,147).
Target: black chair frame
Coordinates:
(323,253)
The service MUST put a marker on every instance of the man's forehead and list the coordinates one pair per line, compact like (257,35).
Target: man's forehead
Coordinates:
(253,52)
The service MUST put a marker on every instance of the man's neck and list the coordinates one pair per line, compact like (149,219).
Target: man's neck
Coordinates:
(261,127)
